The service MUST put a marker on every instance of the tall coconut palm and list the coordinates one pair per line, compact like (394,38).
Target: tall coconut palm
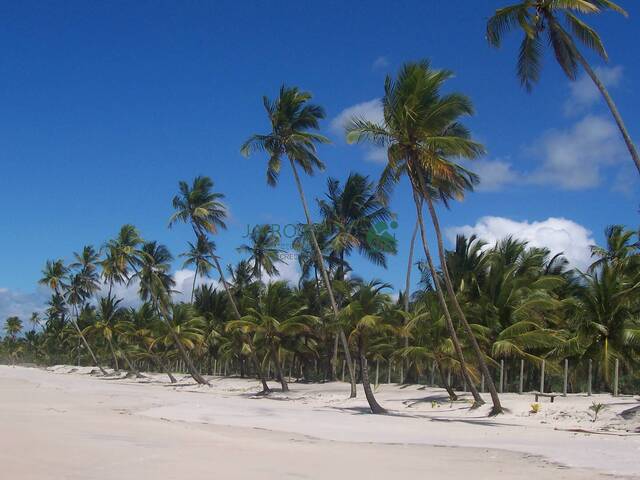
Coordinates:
(75,295)
(558,21)
(202,208)
(199,256)
(293,121)
(264,251)
(351,213)
(421,132)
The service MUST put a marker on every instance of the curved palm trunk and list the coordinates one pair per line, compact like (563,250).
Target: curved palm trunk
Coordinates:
(605,94)
(163,367)
(86,344)
(452,331)
(236,311)
(325,278)
(130,366)
(279,374)
(447,386)
(113,354)
(376,408)
(497,407)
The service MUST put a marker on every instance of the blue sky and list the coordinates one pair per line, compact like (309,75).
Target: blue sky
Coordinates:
(106,105)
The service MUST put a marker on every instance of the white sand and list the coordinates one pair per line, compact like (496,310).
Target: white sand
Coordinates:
(61,425)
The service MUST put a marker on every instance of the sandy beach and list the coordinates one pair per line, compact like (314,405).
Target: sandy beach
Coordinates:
(67,424)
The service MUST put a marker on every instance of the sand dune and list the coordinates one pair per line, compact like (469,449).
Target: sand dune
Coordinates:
(61,425)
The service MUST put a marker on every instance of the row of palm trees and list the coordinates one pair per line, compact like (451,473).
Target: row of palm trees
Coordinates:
(423,134)
(524,304)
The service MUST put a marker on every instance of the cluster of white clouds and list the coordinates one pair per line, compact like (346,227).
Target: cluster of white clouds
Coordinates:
(573,158)
(559,235)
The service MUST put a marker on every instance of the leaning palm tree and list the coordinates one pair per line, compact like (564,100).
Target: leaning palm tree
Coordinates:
(364,315)
(559,22)
(200,256)
(421,133)
(75,295)
(293,120)
(202,208)
(264,251)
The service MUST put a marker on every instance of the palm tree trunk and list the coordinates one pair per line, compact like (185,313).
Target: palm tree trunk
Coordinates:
(193,287)
(407,283)
(497,407)
(163,367)
(130,366)
(438,287)
(452,395)
(86,344)
(376,408)
(605,93)
(113,354)
(325,278)
(280,375)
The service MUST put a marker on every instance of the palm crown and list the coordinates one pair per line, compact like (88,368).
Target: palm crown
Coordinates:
(421,131)
(200,206)
(291,118)
(558,21)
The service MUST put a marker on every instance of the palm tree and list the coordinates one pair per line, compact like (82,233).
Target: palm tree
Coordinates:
(154,265)
(200,256)
(76,296)
(203,209)
(606,325)
(539,18)
(366,313)
(292,120)
(351,213)
(264,252)
(421,131)
(274,316)
(86,264)
(620,252)
(13,327)
(104,324)
(53,275)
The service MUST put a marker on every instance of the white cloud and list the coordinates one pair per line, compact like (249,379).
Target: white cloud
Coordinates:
(572,159)
(559,235)
(371,110)
(494,174)
(380,63)
(20,304)
(584,93)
